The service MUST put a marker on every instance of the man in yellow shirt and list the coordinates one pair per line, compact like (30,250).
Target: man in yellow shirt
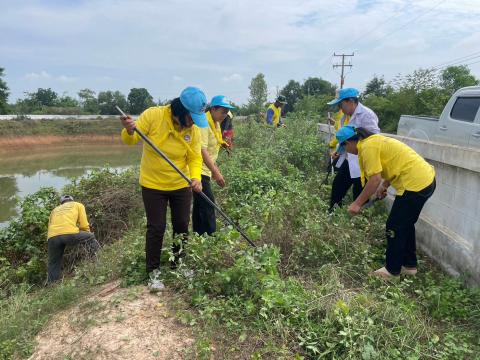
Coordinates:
(68,225)
(203,214)
(399,166)
(274,112)
(171,128)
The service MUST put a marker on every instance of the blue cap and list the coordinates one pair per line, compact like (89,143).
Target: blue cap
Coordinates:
(342,135)
(344,94)
(222,101)
(195,102)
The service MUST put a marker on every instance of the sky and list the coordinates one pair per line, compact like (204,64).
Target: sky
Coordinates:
(166,45)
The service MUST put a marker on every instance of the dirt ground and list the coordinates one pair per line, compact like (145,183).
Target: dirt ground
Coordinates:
(116,323)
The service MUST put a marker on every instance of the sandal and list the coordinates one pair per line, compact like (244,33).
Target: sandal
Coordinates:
(409,271)
(384,274)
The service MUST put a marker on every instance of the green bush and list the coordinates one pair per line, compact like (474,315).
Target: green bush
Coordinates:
(113,203)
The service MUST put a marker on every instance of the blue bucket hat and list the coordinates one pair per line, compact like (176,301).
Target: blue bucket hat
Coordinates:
(342,135)
(344,94)
(195,102)
(221,101)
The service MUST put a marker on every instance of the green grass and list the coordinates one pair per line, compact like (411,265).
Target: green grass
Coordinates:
(28,308)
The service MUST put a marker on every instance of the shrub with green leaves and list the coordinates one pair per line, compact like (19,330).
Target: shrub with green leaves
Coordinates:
(112,200)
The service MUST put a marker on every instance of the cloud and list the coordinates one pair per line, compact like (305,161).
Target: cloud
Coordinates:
(44,75)
(36,76)
(65,78)
(232,78)
(177,78)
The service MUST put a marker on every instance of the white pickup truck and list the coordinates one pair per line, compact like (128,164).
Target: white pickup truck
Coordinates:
(459,123)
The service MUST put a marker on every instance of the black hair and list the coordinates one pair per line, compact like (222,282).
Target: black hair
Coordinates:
(208,108)
(227,124)
(180,111)
(360,134)
(354,99)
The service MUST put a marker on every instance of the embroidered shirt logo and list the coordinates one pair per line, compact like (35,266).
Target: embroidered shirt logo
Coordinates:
(187,137)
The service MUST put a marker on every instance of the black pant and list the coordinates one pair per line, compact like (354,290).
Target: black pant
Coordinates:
(341,184)
(56,247)
(203,215)
(155,202)
(400,228)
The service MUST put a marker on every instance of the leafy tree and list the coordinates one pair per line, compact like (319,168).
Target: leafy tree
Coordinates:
(107,101)
(456,77)
(316,86)
(67,101)
(27,105)
(292,92)
(377,87)
(386,111)
(3,93)
(138,100)
(88,101)
(258,93)
(313,105)
(44,97)
(419,80)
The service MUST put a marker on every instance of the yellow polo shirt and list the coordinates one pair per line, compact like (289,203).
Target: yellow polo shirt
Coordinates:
(277,114)
(338,124)
(210,136)
(68,218)
(398,163)
(181,146)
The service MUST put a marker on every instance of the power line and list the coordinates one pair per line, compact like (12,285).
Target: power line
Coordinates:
(374,28)
(459,60)
(446,66)
(412,20)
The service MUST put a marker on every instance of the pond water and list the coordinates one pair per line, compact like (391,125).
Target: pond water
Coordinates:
(24,171)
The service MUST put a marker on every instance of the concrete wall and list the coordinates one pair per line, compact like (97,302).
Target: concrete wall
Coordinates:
(449,227)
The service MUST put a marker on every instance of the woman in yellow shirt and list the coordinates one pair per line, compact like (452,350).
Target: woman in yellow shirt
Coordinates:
(203,214)
(171,129)
(67,226)
(399,166)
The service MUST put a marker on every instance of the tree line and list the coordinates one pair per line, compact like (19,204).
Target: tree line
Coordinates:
(47,101)
(423,92)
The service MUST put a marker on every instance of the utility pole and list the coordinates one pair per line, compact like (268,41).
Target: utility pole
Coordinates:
(343,66)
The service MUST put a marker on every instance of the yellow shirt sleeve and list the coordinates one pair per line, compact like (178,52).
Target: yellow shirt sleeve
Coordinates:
(83,224)
(204,132)
(338,118)
(194,158)
(370,160)
(142,124)
(333,143)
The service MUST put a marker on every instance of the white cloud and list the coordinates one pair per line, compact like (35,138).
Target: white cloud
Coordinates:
(65,78)
(36,76)
(233,77)
(177,78)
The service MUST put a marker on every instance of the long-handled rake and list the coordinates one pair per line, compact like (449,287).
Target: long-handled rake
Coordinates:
(189,181)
